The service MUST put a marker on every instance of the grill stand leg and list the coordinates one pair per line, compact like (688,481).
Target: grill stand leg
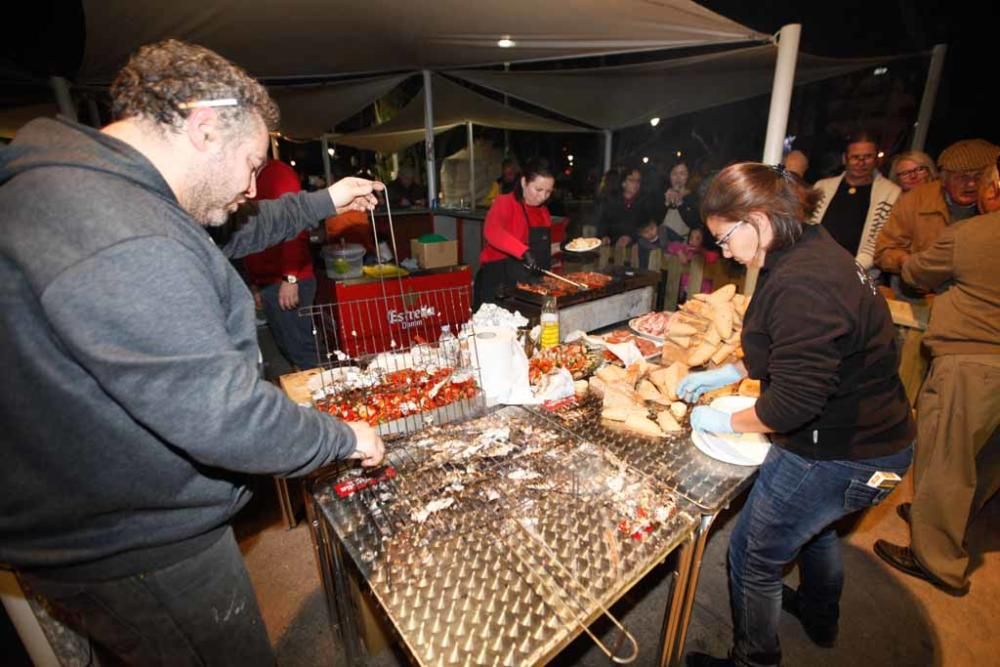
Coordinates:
(673,612)
(687,605)
(336,586)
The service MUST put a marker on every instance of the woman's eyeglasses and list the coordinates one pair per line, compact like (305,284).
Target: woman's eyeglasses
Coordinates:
(724,241)
(912,172)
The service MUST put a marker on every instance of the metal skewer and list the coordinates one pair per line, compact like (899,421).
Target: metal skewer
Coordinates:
(565,280)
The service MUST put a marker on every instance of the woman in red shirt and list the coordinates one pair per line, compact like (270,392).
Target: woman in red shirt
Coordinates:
(517,234)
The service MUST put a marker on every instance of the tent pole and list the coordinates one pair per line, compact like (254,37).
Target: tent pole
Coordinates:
(275,153)
(327,172)
(60,87)
(608,134)
(506,132)
(472,164)
(432,198)
(777,118)
(930,95)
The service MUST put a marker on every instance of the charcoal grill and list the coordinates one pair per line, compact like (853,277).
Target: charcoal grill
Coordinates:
(513,568)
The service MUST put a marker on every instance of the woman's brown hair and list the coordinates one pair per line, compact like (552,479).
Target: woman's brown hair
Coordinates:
(748,187)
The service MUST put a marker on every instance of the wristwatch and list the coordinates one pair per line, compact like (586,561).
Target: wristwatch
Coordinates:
(290,279)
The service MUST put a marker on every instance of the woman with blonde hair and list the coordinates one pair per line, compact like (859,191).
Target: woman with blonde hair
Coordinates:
(912,168)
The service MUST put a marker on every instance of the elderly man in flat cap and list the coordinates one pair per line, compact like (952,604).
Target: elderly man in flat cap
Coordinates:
(956,467)
(920,215)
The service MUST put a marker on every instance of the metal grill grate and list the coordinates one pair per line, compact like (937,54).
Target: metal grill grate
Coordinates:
(535,532)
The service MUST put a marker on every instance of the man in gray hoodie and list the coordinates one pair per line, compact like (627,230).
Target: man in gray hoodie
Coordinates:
(133,412)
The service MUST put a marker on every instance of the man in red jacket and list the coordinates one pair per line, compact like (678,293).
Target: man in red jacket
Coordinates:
(283,275)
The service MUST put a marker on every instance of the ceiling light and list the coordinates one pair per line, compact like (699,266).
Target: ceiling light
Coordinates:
(654,121)
(291,162)
(881,154)
(506,42)
(569,157)
(645,160)
(679,153)
(330,152)
(879,71)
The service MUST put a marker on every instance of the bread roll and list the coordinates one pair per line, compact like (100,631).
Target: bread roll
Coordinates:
(667,422)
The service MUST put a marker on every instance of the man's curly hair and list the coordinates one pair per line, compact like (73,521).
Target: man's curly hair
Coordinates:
(160,77)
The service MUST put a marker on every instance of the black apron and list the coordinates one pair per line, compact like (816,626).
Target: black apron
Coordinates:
(495,280)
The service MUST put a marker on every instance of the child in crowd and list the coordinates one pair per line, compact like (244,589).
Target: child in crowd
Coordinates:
(686,251)
(649,238)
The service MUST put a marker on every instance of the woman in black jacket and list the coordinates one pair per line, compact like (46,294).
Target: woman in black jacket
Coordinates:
(621,210)
(819,337)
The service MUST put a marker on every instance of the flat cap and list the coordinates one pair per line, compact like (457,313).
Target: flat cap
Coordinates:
(968,155)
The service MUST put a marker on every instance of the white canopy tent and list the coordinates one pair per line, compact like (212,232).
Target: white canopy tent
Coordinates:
(454,105)
(663,89)
(317,38)
(313,110)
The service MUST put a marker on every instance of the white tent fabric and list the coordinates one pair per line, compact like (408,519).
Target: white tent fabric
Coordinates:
(298,38)
(311,111)
(453,105)
(618,97)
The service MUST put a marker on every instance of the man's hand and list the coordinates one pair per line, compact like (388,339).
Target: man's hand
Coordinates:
(288,296)
(354,194)
(370,448)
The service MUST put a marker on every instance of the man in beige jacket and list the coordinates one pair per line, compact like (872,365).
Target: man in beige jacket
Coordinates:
(919,217)
(956,468)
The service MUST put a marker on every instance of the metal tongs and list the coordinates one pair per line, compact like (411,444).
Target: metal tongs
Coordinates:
(575,284)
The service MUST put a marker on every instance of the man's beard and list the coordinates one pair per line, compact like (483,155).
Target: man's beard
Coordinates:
(205,202)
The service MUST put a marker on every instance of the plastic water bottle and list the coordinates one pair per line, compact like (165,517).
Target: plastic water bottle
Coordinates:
(448,345)
(550,324)
(464,349)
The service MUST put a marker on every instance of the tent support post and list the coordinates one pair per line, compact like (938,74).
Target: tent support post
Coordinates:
(60,87)
(608,134)
(275,153)
(472,164)
(327,172)
(930,95)
(506,132)
(777,118)
(432,198)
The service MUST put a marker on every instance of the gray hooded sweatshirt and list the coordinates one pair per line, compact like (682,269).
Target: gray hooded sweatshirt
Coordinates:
(132,412)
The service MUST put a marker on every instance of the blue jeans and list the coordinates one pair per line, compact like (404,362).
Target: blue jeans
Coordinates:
(200,611)
(292,332)
(789,515)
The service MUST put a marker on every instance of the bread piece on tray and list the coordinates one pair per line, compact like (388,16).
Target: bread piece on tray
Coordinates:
(667,422)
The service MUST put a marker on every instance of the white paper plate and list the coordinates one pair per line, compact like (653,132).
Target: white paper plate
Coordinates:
(742,449)
(593,245)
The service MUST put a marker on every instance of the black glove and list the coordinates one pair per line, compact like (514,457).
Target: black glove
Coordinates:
(530,263)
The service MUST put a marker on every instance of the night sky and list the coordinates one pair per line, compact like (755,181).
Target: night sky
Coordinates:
(857,28)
